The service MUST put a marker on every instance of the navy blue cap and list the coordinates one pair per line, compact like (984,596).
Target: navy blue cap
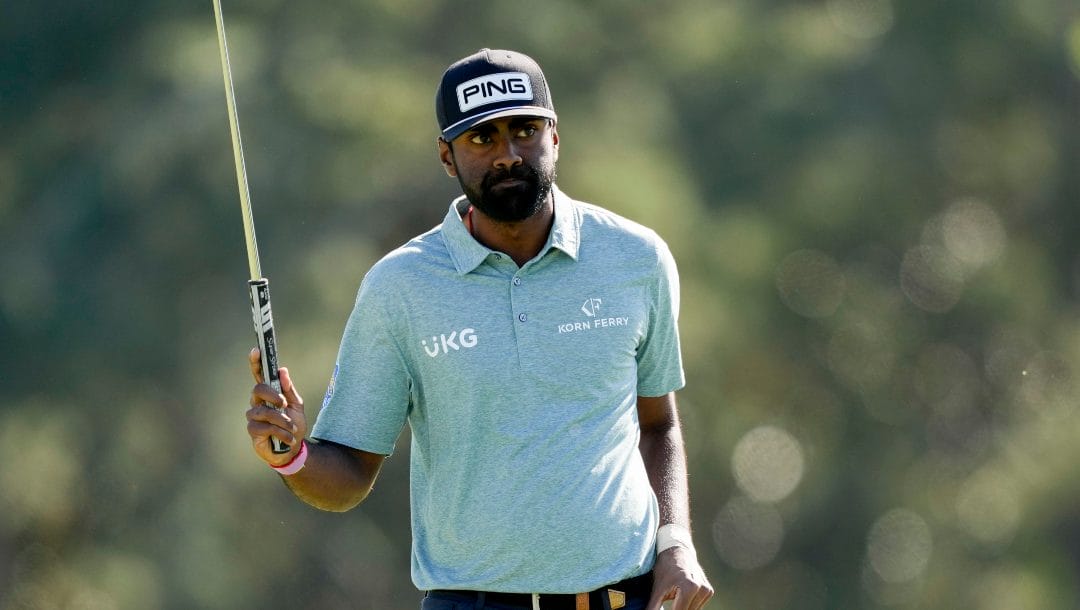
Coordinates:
(490,84)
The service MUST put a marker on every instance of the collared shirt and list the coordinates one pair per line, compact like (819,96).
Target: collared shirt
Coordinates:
(520,388)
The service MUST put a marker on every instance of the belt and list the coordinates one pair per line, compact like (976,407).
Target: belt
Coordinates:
(616,596)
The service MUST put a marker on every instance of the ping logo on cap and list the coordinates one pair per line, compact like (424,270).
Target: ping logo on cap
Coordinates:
(493,88)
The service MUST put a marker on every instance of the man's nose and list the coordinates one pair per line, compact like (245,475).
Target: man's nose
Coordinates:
(508,155)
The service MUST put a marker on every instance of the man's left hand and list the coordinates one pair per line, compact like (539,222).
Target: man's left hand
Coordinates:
(677,576)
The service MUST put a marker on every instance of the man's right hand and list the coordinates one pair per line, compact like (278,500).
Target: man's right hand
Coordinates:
(287,422)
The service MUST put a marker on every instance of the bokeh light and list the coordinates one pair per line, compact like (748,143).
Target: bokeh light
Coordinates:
(767,463)
(1008,587)
(862,353)
(973,232)
(1047,385)
(989,507)
(43,475)
(899,545)
(747,534)
(862,18)
(811,283)
(1074,47)
(931,278)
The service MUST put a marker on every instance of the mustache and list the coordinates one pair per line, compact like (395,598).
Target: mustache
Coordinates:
(517,172)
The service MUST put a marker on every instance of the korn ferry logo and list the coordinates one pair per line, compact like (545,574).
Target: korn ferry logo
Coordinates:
(456,340)
(591,307)
(594,320)
(493,88)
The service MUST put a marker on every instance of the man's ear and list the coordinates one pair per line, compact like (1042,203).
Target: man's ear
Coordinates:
(446,156)
(555,140)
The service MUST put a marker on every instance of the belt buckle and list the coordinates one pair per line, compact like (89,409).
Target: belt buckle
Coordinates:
(535,601)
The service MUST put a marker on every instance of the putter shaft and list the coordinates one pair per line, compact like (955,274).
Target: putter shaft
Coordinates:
(238,148)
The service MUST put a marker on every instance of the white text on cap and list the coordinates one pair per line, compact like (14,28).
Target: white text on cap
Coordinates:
(493,88)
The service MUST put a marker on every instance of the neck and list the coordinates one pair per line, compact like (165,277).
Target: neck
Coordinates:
(520,240)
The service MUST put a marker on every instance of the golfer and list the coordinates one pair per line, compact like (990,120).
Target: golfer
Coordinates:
(530,342)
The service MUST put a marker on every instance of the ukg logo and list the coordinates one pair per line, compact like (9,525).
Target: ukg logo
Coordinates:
(456,340)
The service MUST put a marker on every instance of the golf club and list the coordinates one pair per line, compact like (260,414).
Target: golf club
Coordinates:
(258,286)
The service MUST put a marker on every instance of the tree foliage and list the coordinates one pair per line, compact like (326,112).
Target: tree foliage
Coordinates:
(872,202)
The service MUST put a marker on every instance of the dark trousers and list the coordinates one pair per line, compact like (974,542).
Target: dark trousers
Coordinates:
(630,594)
(445,601)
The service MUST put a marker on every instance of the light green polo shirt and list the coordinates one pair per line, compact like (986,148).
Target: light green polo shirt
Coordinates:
(520,388)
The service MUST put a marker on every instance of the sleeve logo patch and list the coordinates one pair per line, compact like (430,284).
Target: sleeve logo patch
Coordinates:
(330,387)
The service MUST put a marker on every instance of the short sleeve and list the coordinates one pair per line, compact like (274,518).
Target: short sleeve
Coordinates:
(367,400)
(659,356)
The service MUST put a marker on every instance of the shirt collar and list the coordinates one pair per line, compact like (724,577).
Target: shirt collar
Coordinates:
(467,253)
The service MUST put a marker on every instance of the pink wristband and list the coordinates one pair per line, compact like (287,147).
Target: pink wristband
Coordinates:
(294,465)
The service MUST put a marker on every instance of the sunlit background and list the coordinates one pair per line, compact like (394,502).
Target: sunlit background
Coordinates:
(874,205)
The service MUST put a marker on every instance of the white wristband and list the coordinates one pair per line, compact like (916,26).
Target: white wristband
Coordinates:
(672,535)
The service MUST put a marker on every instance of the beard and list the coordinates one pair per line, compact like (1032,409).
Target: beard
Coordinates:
(511,202)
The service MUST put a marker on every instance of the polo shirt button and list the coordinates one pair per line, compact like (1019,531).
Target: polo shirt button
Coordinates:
(522,317)
(517,281)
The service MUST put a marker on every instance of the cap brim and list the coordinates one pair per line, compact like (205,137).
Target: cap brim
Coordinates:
(464,125)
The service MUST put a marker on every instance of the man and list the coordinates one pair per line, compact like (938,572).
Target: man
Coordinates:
(530,342)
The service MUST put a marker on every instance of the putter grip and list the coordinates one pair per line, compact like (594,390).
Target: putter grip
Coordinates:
(264,331)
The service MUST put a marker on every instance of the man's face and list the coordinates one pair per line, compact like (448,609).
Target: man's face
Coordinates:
(505,166)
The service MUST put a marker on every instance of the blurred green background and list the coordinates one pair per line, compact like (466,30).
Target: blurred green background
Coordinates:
(873,204)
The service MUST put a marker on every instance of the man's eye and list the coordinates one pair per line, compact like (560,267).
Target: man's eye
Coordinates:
(527,131)
(480,138)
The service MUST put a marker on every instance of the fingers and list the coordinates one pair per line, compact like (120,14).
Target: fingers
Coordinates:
(678,577)
(255,362)
(262,426)
(274,414)
(694,595)
(264,394)
(693,598)
(704,594)
(292,395)
(269,407)
(288,389)
(682,600)
(659,596)
(265,422)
